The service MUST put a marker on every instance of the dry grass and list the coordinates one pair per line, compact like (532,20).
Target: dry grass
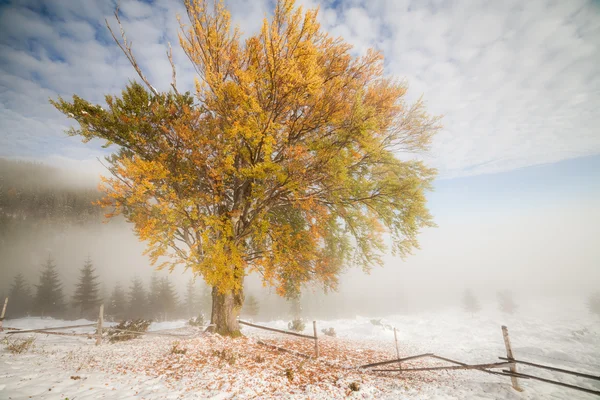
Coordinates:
(18,346)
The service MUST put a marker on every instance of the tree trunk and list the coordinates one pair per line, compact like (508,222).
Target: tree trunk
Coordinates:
(226,309)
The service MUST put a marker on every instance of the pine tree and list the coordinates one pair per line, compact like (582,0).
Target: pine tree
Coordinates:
(251,306)
(167,298)
(191,299)
(506,303)
(49,298)
(470,302)
(87,293)
(204,301)
(138,300)
(19,298)
(594,303)
(154,307)
(117,305)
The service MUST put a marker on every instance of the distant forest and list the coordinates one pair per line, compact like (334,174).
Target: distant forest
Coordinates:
(35,193)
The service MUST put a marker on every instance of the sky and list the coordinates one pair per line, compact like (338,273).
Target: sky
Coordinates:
(517,83)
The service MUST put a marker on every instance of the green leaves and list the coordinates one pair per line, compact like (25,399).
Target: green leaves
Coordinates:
(287,163)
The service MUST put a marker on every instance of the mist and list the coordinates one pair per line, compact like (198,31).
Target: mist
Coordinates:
(534,248)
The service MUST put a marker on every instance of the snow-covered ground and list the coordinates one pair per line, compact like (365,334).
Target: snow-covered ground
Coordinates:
(560,334)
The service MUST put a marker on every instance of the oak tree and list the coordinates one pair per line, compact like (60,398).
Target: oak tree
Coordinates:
(287,160)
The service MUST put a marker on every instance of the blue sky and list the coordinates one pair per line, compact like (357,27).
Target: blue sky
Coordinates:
(553,184)
(518,84)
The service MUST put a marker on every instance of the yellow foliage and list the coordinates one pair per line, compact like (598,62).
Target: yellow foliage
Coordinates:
(284,162)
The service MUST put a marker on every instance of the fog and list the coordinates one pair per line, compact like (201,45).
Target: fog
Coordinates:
(534,251)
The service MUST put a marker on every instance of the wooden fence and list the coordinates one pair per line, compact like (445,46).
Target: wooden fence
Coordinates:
(266,328)
(509,361)
(100,329)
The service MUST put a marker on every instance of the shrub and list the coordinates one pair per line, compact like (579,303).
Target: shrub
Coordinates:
(175,349)
(198,321)
(19,346)
(225,355)
(289,373)
(115,334)
(506,302)
(376,322)
(594,303)
(354,386)
(329,332)
(297,325)
(470,302)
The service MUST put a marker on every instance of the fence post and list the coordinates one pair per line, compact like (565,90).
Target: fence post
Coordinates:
(100,321)
(3,312)
(316,339)
(397,350)
(509,355)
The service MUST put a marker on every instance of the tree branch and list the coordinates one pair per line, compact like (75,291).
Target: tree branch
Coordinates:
(126,49)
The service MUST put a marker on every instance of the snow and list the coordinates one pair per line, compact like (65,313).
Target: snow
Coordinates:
(561,334)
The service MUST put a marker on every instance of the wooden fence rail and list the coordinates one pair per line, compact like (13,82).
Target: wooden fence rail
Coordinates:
(537,378)
(276,330)
(58,328)
(377,364)
(564,371)
(452,367)
(152,333)
(315,337)
(3,314)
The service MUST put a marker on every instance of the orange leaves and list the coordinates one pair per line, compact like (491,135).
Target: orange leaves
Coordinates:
(285,162)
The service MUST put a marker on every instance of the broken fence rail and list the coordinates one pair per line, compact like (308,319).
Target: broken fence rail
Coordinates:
(527,376)
(451,367)
(315,337)
(43,330)
(395,361)
(428,355)
(282,349)
(462,363)
(151,333)
(565,371)
(277,330)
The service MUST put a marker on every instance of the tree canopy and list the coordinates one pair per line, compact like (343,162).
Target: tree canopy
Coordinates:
(285,160)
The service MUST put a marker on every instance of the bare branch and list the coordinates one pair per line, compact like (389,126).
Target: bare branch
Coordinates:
(170,55)
(126,49)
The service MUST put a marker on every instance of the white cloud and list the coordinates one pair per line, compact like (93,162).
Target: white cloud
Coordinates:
(518,82)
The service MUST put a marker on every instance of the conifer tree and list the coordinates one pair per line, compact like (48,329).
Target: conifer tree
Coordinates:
(19,298)
(470,302)
(137,300)
(593,303)
(191,299)
(117,305)
(204,300)
(154,307)
(251,306)
(168,299)
(506,303)
(87,294)
(49,298)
